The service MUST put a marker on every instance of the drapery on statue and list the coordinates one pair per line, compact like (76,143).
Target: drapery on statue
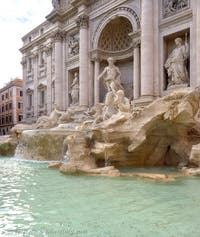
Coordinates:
(75,90)
(176,63)
(111,77)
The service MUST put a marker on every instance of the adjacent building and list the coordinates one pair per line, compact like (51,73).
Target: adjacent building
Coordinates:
(11,105)
(79,35)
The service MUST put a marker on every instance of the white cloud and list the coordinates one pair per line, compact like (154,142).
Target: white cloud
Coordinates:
(17,17)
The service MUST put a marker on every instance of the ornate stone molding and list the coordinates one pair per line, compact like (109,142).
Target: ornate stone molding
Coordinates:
(29,91)
(136,43)
(172,7)
(41,87)
(82,21)
(48,50)
(24,62)
(59,35)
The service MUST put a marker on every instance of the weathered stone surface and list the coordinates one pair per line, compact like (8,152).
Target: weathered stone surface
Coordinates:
(191,171)
(41,145)
(7,146)
(160,134)
(195,155)
(54,165)
(109,171)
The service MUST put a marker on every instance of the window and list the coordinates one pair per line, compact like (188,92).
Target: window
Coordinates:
(21,93)
(10,118)
(42,98)
(6,95)
(10,105)
(6,107)
(30,102)
(29,64)
(2,108)
(20,105)
(20,117)
(42,58)
(2,97)
(6,119)
(2,120)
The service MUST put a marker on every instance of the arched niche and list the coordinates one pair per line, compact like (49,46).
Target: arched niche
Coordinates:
(114,41)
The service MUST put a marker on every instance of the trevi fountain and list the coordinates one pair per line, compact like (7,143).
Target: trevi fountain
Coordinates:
(125,170)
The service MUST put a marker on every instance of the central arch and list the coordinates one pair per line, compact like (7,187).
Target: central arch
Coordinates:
(115,41)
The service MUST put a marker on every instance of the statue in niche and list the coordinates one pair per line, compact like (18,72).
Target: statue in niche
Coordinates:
(111,77)
(73,45)
(75,90)
(176,63)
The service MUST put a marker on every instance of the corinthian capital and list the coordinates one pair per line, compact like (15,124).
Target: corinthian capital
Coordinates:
(82,21)
(58,36)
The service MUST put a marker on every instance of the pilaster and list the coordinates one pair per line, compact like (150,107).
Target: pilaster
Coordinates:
(82,23)
(147,48)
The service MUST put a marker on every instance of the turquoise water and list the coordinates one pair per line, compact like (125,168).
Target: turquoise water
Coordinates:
(36,201)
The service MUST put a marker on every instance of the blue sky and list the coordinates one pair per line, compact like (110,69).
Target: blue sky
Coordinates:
(17,17)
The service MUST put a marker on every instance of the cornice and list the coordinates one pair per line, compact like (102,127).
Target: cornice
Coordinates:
(177,18)
(77,3)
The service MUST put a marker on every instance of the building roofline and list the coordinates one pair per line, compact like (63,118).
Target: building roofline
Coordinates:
(15,82)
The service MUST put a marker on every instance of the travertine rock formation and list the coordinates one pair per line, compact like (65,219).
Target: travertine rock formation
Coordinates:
(164,133)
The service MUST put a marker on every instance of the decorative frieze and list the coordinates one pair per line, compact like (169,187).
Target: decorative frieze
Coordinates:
(171,7)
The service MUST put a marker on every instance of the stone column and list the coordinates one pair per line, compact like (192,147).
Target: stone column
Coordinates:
(58,70)
(35,82)
(136,70)
(24,68)
(195,79)
(48,52)
(82,23)
(96,82)
(147,48)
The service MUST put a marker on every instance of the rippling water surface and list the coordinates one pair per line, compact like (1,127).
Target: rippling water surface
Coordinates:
(36,201)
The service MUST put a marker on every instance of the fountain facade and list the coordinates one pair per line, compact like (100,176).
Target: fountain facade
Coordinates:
(116,133)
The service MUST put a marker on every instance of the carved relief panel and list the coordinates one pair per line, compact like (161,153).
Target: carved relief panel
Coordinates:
(172,7)
(73,45)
